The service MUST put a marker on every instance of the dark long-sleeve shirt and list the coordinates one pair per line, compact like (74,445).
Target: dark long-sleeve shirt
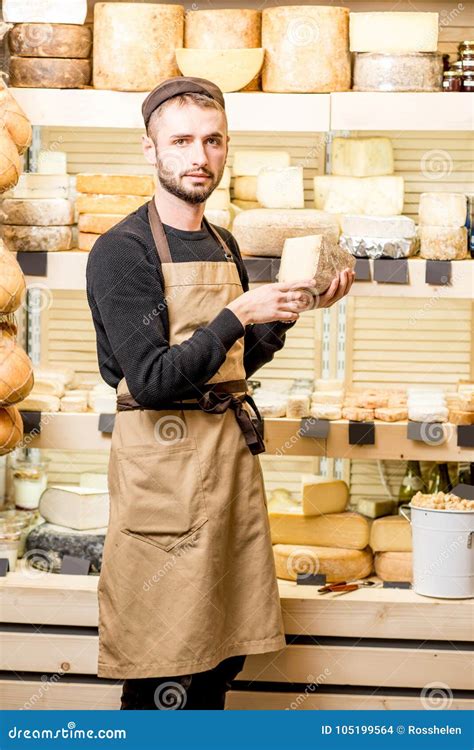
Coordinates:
(125,291)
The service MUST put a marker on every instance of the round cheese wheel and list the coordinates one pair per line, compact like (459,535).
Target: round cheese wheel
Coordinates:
(11,429)
(16,372)
(245,188)
(336,564)
(98,223)
(50,40)
(10,164)
(306,49)
(49,72)
(227,28)
(38,211)
(394,566)
(12,282)
(134,44)
(14,119)
(47,239)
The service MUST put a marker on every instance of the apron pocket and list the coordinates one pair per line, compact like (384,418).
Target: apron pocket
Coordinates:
(161,499)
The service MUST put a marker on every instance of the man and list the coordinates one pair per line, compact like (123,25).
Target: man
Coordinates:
(188,585)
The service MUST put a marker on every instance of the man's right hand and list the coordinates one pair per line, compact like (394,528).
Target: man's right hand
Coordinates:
(271,302)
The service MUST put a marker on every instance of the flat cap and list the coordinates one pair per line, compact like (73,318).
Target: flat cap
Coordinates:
(179,85)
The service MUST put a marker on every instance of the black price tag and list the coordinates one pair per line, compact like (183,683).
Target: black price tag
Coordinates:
(4,566)
(391,271)
(465,491)
(362,270)
(311,579)
(31,422)
(466,435)
(361,433)
(33,263)
(315,428)
(75,566)
(396,585)
(106,423)
(259,269)
(430,433)
(438,272)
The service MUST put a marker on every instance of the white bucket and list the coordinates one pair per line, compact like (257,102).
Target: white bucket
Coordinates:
(443,552)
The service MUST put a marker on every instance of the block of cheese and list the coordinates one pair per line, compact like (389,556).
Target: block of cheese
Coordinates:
(77,507)
(336,564)
(328,397)
(466,400)
(219,216)
(52,162)
(245,205)
(49,72)
(33,185)
(391,414)
(386,31)
(329,384)
(326,411)
(280,187)
(357,414)
(219,199)
(297,406)
(39,402)
(223,28)
(225,179)
(48,386)
(321,495)
(390,534)
(115,184)
(313,257)
(229,69)
(459,416)
(349,530)
(374,507)
(87,203)
(263,231)
(71,403)
(135,43)
(376,196)
(443,243)
(98,223)
(410,71)
(306,49)
(250,162)
(362,157)
(442,209)
(37,211)
(428,413)
(372,399)
(51,542)
(385,227)
(245,189)
(50,40)
(44,11)
(394,566)
(47,239)
(86,241)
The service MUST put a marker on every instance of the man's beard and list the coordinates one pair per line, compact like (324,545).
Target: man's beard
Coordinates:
(174,185)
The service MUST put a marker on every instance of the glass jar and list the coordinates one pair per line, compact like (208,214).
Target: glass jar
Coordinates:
(468,81)
(452,80)
(466,48)
(9,541)
(29,482)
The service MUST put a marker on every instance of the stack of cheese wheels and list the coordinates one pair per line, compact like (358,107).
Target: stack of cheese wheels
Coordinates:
(395,51)
(49,45)
(134,44)
(442,219)
(225,29)
(318,536)
(105,199)
(15,137)
(390,540)
(306,49)
(38,214)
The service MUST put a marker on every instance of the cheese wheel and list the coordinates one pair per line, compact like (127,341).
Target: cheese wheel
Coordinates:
(390,534)
(219,199)
(263,231)
(357,414)
(10,164)
(47,239)
(34,185)
(37,212)
(412,71)
(376,196)
(280,187)
(12,282)
(86,241)
(443,209)
(219,216)
(306,49)
(73,403)
(443,243)
(335,564)
(386,31)
(223,28)
(115,184)
(52,162)
(14,119)
(16,372)
(109,204)
(458,416)
(50,40)
(245,188)
(49,73)
(48,386)
(349,530)
(225,179)
(45,11)
(65,374)
(11,429)
(134,44)
(326,411)
(39,402)
(98,223)
(362,157)
(391,414)
(394,566)
(229,69)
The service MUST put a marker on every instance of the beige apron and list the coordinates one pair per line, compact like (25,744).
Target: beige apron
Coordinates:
(188,577)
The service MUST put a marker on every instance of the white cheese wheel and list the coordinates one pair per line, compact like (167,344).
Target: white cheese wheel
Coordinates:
(98,223)
(40,402)
(44,11)
(219,199)
(16,372)
(34,185)
(75,507)
(47,239)
(336,564)
(263,231)
(390,534)
(387,31)
(306,49)
(48,386)
(386,227)
(429,414)
(220,217)
(134,44)
(413,71)
(280,187)
(348,530)
(245,189)
(11,429)
(64,374)
(362,157)
(12,282)
(223,28)
(250,162)
(14,119)
(50,40)
(326,411)
(87,203)
(115,184)
(297,406)
(328,384)
(376,196)
(313,257)
(86,241)
(443,243)
(39,211)
(74,403)
(322,495)
(10,164)
(52,162)
(443,209)
(49,72)
(328,397)
(229,69)
(394,566)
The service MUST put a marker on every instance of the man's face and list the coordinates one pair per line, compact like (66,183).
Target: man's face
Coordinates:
(191,149)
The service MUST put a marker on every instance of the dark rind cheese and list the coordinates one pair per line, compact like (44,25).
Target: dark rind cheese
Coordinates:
(50,40)
(50,543)
(49,72)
